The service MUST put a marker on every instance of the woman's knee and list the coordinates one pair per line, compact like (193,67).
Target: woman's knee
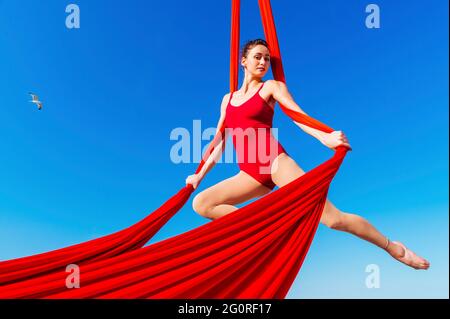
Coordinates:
(335,222)
(200,205)
(333,218)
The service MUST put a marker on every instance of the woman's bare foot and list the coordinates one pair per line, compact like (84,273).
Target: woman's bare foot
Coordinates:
(406,256)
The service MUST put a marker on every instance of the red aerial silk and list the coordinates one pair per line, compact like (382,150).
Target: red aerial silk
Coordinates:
(254,252)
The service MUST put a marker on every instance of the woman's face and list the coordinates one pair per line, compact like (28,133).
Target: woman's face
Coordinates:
(257,61)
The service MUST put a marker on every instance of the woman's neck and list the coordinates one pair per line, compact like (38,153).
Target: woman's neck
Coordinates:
(249,83)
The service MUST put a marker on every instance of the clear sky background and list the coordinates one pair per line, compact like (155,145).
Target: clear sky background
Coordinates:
(96,159)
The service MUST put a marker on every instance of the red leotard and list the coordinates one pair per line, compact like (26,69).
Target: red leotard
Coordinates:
(256,147)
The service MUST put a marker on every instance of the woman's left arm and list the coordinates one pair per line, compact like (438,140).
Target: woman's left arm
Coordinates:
(331,140)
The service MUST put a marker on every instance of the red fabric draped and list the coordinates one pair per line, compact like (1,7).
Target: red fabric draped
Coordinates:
(254,252)
(131,238)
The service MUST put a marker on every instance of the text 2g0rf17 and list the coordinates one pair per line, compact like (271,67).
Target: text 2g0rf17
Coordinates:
(246,308)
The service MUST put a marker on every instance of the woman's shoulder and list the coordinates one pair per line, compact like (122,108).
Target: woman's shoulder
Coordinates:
(226,97)
(225,100)
(275,88)
(273,84)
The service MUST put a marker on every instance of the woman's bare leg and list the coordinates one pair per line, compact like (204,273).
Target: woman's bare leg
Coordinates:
(285,170)
(219,199)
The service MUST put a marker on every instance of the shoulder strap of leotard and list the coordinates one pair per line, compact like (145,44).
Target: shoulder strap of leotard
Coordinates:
(231,97)
(260,87)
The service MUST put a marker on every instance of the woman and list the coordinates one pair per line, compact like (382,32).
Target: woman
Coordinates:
(250,109)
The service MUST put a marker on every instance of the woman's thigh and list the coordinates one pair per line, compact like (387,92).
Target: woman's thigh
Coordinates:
(232,191)
(285,170)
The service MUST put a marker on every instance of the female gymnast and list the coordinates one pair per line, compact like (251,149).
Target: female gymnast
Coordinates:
(248,112)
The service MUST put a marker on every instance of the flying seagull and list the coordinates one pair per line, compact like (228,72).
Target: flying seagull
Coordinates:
(35,100)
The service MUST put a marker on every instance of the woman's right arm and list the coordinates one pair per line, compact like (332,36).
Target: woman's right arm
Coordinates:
(216,153)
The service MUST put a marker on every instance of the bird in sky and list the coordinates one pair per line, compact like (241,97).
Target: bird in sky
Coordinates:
(35,100)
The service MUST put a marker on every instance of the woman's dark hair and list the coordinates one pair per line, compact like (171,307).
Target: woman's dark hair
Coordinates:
(251,44)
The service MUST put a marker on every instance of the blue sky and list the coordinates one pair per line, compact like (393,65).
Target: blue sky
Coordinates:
(97,157)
